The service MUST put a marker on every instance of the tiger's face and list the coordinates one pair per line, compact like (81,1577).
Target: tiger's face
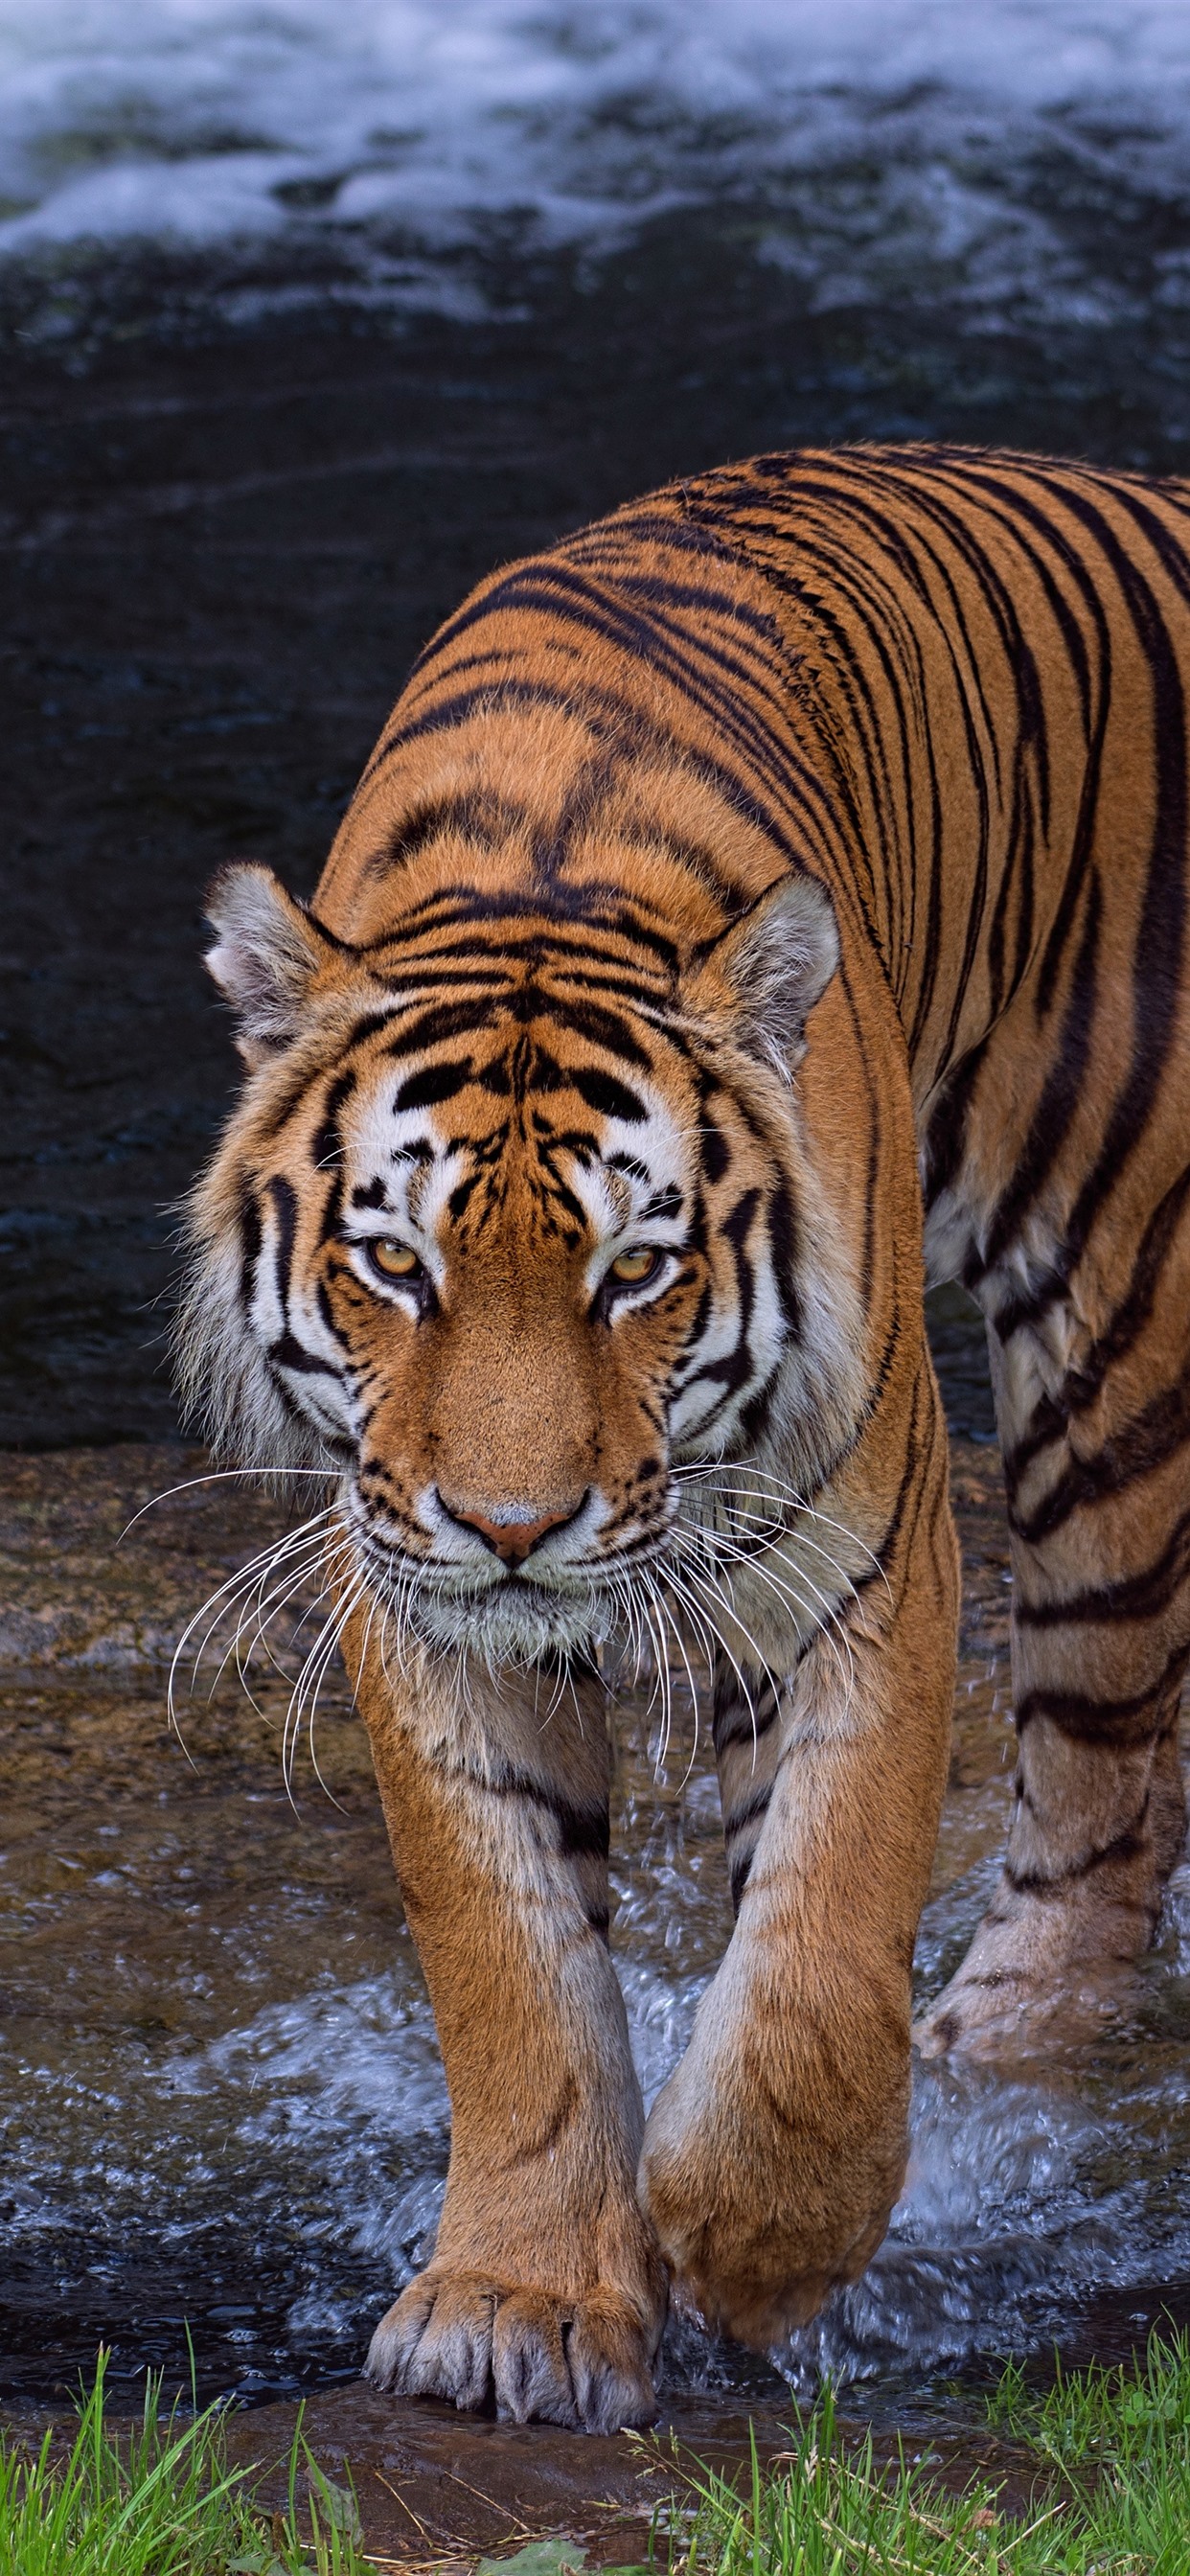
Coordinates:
(507,1257)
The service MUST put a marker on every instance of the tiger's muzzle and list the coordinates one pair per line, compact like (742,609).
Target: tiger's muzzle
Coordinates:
(512,1534)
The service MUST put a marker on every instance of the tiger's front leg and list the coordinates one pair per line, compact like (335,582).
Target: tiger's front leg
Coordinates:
(546,2292)
(774,2155)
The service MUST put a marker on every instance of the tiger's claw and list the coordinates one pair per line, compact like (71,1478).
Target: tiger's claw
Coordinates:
(584,2363)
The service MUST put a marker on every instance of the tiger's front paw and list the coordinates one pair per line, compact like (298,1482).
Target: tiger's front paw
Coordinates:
(757,2281)
(759,2221)
(586,2362)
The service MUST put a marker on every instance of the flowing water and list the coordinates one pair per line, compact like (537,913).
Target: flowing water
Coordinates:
(309,315)
(223,2111)
(880,132)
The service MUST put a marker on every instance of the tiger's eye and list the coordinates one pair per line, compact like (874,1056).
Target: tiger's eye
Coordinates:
(632,1267)
(396,1260)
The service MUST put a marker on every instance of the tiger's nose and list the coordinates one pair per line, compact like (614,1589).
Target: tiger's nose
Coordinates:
(512,1541)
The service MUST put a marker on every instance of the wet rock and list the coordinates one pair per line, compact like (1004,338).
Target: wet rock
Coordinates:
(433,2483)
(105,1554)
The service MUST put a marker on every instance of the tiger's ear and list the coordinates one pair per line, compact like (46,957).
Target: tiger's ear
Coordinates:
(770,968)
(266,954)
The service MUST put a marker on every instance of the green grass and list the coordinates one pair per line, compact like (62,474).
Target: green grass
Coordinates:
(1107,2453)
(163,2502)
(1109,2460)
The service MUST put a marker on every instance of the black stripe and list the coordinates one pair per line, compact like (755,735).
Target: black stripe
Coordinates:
(1124,1846)
(602,1092)
(583,1831)
(1063,1094)
(1117,1724)
(435,1082)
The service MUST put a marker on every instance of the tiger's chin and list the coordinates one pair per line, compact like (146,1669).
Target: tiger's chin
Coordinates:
(515,1623)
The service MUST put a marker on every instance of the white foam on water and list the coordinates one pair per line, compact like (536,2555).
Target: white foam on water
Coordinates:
(367,2051)
(349,2080)
(660,2017)
(206,120)
(994,2232)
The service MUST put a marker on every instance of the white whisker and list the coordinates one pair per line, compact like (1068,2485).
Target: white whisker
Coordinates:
(220,1602)
(220,1476)
(696,1572)
(311,1677)
(829,1626)
(262,1608)
(801,1503)
(781,1528)
(673,1624)
(661,1672)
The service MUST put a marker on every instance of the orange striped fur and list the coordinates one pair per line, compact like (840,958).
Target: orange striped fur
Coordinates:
(764,900)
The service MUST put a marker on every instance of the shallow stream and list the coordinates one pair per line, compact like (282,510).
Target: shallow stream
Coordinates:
(223,2112)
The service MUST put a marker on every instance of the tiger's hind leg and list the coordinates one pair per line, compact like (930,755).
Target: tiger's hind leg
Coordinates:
(1097,1471)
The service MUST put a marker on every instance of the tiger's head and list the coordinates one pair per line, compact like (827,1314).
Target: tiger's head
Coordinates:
(514,1228)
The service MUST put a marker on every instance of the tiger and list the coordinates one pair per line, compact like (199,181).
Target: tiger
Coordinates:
(759,905)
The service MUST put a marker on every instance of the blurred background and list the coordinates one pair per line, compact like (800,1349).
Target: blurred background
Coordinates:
(311,311)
